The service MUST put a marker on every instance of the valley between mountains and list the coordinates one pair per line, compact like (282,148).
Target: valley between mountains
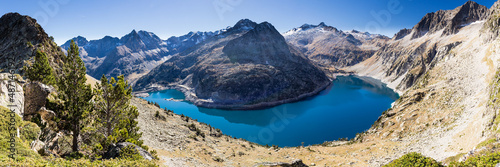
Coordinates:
(445,69)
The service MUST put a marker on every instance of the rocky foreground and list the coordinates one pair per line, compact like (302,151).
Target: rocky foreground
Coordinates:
(182,141)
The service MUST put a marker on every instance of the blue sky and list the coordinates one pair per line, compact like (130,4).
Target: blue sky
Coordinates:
(94,19)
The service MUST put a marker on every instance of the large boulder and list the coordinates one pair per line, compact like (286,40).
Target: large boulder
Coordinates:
(35,95)
(115,150)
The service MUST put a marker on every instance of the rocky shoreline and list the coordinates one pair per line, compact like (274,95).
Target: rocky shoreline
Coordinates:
(191,97)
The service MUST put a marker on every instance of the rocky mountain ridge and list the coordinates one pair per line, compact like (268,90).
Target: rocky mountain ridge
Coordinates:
(449,21)
(20,37)
(331,48)
(134,54)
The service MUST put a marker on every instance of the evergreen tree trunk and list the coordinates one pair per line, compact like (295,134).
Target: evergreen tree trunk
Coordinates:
(76,133)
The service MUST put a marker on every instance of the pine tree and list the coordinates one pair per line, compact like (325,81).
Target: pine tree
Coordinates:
(75,93)
(116,116)
(41,70)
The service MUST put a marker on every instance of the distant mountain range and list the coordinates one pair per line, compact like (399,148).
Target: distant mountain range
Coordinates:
(134,54)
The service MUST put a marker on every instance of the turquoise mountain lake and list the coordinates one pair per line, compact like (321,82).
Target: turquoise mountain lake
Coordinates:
(350,106)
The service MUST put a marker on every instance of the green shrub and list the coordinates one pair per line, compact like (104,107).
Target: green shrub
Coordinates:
(28,132)
(130,153)
(192,127)
(414,160)
(157,114)
(154,153)
(486,143)
(29,44)
(74,155)
(487,160)
(57,162)
(40,70)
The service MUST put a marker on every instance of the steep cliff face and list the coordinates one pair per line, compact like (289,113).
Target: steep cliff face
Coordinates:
(450,21)
(331,48)
(244,68)
(493,22)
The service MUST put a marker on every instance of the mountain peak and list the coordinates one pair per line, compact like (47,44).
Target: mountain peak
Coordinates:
(261,45)
(79,40)
(133,32)
(245,22)
(470,3)
(266,31)
(244,25)
(320,25)
(450,20)
(16,31)
(264,26)
(11,23)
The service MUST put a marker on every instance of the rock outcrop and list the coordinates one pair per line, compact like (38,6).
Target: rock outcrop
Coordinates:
(20,37)
(402,33)
(35,97)
(493,22)
(243,68)
(115,150)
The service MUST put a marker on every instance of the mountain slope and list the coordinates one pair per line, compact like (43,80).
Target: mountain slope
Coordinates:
(444,77)
(244,68)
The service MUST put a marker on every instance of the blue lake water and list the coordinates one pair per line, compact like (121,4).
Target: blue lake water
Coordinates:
(350,106)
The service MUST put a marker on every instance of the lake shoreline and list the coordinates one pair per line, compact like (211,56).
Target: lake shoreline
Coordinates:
(335,108)
(191,97)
